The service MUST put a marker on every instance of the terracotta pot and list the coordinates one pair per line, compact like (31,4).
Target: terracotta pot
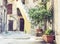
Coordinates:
(48,38)
(39,32)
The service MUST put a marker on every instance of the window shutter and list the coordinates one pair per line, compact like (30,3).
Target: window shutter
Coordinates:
(9,9)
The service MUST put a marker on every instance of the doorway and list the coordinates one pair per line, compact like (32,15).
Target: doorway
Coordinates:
(10,25)
(21,24)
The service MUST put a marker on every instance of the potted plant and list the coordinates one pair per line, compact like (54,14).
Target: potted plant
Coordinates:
(40,14)
(36,19)
(48,36)
(37,16)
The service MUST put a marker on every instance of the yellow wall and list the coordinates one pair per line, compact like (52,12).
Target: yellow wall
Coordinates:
(23,12)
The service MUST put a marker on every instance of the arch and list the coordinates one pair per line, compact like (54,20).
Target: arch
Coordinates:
(18,12)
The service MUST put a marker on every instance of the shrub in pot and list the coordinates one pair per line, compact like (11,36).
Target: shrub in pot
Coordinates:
(48,36)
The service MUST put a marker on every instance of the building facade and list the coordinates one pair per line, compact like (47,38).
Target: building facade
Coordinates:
(17,13)
(17,16)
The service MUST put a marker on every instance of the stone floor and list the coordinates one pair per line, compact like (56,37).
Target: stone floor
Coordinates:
(22,41)
(20,38)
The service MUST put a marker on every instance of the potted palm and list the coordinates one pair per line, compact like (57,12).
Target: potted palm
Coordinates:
(48,36)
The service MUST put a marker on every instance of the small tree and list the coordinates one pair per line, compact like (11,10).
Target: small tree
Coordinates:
(38,15)
(48,16)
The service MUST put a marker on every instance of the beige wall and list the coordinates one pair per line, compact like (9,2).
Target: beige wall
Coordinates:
(14,14)
(27,24)
(30,3)
(57,20)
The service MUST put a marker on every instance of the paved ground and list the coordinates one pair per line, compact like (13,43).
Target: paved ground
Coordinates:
(20,38)
(22,41)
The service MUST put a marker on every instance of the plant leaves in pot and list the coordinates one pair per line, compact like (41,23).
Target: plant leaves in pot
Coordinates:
(48,36)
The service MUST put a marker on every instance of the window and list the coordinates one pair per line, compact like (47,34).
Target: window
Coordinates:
(9,9)
(18,12)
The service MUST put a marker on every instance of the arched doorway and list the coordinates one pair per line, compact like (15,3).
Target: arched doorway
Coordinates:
(18,12)
(21,24)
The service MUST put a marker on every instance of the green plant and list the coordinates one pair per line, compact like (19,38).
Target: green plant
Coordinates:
(47,13)
(37,15)
(40,14)
(48,32)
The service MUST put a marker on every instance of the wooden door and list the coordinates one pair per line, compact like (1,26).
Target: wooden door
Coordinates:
(21,24)
(10,28)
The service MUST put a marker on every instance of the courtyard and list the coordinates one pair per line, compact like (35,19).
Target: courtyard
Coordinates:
(20,38)
(29,22)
